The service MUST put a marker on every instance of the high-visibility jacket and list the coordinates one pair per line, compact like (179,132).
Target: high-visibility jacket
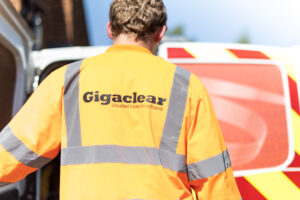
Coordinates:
(129,125)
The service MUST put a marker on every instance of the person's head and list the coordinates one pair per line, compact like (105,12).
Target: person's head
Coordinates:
(142,20)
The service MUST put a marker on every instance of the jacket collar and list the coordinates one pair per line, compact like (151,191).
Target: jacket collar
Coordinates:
(122,47)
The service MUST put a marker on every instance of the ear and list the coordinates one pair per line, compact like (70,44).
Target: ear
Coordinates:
(108,31)
(160,34)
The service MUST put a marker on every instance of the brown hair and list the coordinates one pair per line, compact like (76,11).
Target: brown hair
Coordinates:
(138,17)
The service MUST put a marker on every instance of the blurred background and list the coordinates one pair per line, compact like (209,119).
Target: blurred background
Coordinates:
(59,23)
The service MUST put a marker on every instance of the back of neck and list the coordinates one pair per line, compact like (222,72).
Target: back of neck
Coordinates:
(127,39)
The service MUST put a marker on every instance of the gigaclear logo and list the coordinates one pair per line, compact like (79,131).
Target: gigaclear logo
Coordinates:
(106,99)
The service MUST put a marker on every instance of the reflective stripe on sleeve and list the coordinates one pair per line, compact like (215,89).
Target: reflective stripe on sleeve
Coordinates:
(3,184)
(173,122)
(209,167)
(122,154)
(20,151)
(71,104)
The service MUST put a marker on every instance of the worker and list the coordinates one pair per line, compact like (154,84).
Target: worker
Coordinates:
(128,124)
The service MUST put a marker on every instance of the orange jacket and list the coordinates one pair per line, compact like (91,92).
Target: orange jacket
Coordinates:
(129,125)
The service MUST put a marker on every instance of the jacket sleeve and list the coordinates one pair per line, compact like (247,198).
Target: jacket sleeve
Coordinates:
(32,137)
(209,167)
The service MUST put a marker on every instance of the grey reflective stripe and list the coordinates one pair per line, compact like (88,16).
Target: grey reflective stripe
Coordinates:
(3,184)
(20,151)
(176,110)
(209,167)
(173,161)
(71,104)
(109,154)
(122,154)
